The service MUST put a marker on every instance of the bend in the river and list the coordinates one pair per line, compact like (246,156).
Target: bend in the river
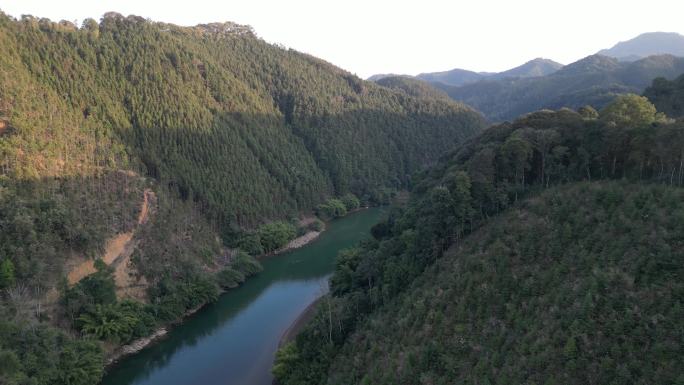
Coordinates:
(234,340)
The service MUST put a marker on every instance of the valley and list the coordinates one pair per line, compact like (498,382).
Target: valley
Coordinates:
(234,339)
(195,204)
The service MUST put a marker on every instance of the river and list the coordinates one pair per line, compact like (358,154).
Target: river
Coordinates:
(233,341)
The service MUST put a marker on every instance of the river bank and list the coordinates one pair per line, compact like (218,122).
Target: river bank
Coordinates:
(299,323)
(141,343)
(135,346)
(234,340)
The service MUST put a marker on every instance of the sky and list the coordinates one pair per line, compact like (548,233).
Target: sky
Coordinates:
(367,37)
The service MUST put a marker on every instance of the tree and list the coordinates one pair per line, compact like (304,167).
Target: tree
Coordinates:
(629,110)
(7,278)
(542,141)
(588,112)
(275,235)
(80,363)
(333,208)
(351,202)
(517,151)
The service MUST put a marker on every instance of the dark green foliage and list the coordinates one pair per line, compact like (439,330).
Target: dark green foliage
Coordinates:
(249,130)
(232,133)
(7,275)
(42,355)
(332,208)
(228,278)
(492,172)
(285,356)
(91,292)
(563,288)
(275,235)
(173,298)
(241,266)
(245,264)
(315,225)
(251,243)
(668,96)
(43,221)
(117,322)
(177,243)
(350,201)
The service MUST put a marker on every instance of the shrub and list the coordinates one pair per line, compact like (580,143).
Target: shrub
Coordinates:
(333,208)
(350,201)
(229,278)
(245,264)
(275,235)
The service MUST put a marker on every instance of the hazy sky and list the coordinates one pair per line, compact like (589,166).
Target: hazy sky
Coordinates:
(380,36)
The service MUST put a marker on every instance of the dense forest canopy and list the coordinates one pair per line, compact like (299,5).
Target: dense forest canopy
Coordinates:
(144,166)
(394,316)
(412,86)
(141,163)
(668,96)
(207,108)
(564,288)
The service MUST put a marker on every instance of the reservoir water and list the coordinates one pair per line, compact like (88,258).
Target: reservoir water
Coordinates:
(233,341)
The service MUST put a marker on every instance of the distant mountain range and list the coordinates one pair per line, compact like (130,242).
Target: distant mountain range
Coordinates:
(594,80)
(376,77)
(629,66)
(458,77)
(455,77)
(647,44)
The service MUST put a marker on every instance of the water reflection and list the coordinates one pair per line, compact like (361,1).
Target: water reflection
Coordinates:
(233,341)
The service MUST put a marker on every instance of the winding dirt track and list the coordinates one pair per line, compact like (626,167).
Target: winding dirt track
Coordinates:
(118,251)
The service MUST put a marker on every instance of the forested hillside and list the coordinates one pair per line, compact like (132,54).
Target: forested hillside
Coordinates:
(136,157)
(668,96)
(498,271)
(412,87)
(594,80)
(209,107)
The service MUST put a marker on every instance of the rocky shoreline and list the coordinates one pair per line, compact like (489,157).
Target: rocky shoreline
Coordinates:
(135,346)
(141,343)
(299,242)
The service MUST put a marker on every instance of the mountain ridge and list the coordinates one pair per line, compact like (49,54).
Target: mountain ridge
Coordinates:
(647,44)
(457,76)
(594,80)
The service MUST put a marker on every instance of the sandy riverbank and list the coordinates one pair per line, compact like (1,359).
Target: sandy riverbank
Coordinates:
(299,323)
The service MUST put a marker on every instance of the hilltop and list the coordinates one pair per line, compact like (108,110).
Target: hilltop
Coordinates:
(647,44)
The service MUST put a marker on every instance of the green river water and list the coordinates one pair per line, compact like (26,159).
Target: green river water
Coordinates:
(233,341)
